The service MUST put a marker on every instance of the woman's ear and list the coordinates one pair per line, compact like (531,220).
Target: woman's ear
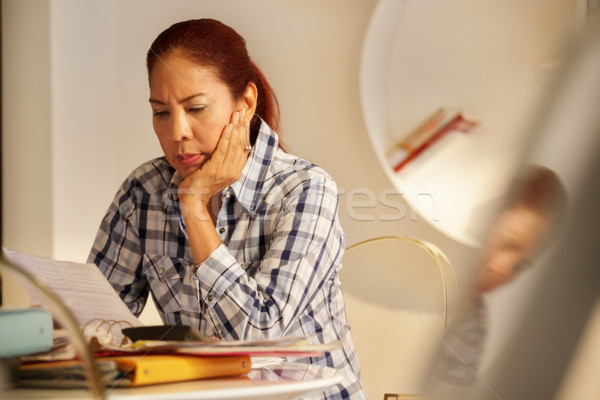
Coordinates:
(248,101)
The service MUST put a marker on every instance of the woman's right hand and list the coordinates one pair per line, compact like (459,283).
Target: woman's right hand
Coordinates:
(221,170)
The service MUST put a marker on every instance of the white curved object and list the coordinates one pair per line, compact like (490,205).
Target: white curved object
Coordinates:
(487,58)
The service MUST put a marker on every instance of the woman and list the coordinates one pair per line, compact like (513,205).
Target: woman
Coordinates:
(527,224)
(533,216)
(228,233)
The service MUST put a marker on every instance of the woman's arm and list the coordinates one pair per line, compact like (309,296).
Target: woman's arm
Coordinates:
(197,190)
(304,251)
(117,251)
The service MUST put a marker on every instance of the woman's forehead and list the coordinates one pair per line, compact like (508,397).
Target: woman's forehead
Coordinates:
(181,75)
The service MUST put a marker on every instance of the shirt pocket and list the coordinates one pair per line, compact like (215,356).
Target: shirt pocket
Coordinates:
(164,277)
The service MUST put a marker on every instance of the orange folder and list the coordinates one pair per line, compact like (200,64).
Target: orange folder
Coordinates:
(153,369)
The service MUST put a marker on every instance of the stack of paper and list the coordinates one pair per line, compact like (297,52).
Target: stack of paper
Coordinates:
(102,315)
(85,292)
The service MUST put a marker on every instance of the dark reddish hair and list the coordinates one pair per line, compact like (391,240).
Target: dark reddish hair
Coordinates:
(540,190)
(215,45)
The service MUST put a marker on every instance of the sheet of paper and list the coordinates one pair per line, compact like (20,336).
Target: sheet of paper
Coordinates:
(82,287)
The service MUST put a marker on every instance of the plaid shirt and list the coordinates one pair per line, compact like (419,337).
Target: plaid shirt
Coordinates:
(456,367)
(275,273)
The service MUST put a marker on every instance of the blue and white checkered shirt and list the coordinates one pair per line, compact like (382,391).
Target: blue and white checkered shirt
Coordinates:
(275,273)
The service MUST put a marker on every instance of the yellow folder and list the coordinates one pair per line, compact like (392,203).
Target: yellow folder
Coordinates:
(152,369)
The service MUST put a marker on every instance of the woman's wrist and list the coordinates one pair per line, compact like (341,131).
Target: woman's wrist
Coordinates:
(192,203)
(194,211)
(202,236)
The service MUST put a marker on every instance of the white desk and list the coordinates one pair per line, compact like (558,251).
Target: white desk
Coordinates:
(282,381)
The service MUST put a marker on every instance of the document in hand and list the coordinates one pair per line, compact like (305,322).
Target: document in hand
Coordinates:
(82,288)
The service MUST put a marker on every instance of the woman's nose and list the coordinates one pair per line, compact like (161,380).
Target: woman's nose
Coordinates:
(180,128)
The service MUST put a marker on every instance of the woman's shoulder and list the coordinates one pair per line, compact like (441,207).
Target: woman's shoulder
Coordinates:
(290,171)
(284,167)
(146,184)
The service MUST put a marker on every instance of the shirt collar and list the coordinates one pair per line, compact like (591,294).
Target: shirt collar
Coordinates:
(172,191)
(248,189)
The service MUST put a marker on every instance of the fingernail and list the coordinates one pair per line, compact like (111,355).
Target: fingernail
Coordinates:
(236,117)
(244,115)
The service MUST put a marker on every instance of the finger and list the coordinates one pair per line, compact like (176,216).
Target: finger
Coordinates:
(230,136)
(227,152)
(220,154)
(242,130)
(247,126)
(231,155)
(239,156)
(237,153)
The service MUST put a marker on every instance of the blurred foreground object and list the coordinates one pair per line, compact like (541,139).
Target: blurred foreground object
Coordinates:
(65,318)
(544,339)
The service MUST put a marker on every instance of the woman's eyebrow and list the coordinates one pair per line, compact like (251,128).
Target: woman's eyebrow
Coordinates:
(184,100)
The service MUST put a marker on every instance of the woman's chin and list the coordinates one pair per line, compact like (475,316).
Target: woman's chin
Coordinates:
(187,170)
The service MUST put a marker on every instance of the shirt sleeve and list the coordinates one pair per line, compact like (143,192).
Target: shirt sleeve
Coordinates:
(305,250)
(117,251)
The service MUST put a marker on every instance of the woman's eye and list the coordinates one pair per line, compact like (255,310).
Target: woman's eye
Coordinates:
(160,113)
(196,109)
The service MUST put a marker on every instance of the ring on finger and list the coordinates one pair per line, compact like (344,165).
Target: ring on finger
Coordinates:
(248,146)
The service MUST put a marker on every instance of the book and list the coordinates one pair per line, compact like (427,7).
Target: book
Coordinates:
(134,370)
(67,374)
(425,135)
(152,369)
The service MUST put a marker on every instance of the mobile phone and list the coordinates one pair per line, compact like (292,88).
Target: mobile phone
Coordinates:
(164,332)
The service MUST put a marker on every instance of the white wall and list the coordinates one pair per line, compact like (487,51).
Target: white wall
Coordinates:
(26,135)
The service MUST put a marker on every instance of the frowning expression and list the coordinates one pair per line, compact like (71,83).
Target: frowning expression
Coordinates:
(190,108)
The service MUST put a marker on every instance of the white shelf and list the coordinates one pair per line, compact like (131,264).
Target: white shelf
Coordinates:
(481,57)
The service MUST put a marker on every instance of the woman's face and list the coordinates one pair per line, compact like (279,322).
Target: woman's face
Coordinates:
(514,239)
(190,108)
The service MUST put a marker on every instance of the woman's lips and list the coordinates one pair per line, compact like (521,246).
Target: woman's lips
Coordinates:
(188,159)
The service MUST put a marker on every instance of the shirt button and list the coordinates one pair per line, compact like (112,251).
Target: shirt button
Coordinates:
(161,271)
(222,230)
(209,297)
(228,194)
